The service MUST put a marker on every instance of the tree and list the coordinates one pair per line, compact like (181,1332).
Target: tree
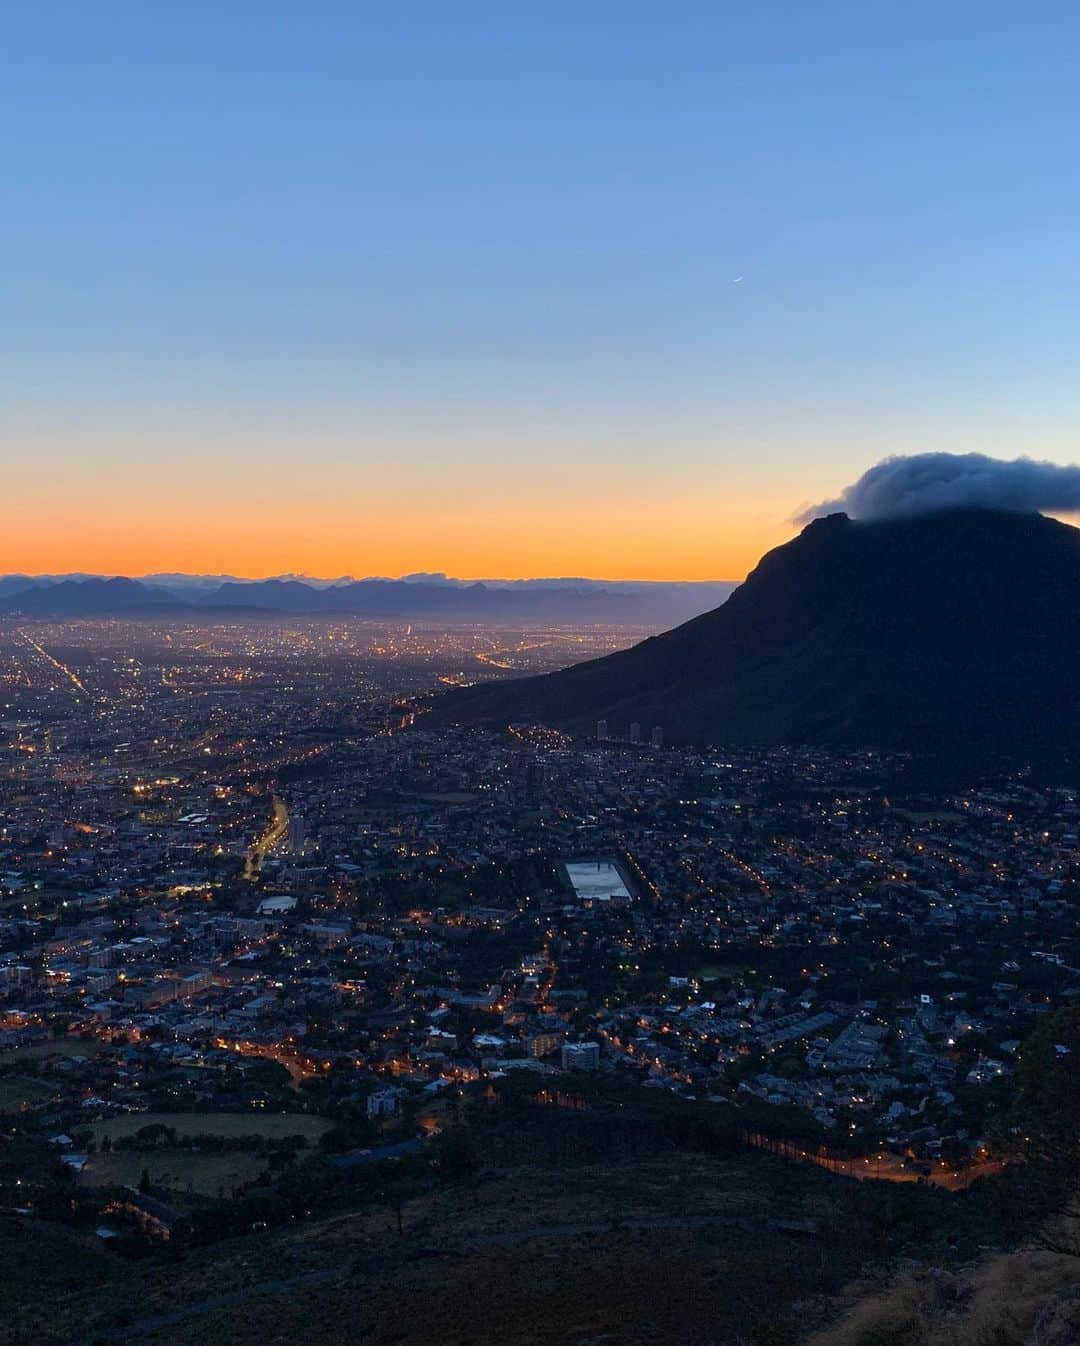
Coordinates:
(152,1134)
(457,1152)
(1048,1112)
(396,1191)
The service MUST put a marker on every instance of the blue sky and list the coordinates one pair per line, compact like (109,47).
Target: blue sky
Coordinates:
(400,281)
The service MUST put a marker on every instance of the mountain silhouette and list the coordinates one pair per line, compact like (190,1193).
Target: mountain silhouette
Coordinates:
(91,597)
(958,629)
(188,598)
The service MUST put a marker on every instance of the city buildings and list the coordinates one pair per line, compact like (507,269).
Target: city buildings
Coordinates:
(228,856)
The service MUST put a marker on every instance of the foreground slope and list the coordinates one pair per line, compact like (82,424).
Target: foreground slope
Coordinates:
(961,627)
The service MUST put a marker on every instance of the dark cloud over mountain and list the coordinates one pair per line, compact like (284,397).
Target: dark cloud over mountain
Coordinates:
(925,482)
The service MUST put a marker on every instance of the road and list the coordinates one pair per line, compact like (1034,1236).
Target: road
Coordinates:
(300,1066)
(894,1168)
(60,668)
(272,835)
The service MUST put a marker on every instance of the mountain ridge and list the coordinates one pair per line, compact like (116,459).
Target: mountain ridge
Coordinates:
(917,632)
(613,602)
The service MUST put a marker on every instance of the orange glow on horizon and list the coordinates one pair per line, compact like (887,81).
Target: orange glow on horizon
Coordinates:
(676,540)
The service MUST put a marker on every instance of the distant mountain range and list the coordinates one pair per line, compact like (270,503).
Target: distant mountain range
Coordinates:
(413,597)
(958,630)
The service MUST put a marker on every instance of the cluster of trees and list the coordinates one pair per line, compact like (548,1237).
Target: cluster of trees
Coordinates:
(597,1118)
(1047,1118)
(157,1135)
(318,1185)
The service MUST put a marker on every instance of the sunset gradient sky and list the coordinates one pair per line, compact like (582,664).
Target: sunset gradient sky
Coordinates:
(528,289)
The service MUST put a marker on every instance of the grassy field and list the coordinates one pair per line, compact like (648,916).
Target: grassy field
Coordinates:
(178,1170)
(189,1170)
(272,1125)
(658,1251)
(713,971)
(42,1263)
(37,1051)
(609,1287)
(16,1094)
(663,1249)
(666,1249)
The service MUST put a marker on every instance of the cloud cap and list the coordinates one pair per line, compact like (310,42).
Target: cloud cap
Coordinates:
(926,482)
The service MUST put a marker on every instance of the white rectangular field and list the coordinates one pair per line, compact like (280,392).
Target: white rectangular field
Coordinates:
(596,880)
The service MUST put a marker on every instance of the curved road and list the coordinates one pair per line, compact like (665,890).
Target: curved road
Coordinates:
(272,835)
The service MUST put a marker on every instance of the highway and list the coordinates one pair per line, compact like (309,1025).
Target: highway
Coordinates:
(62,668)
(272,835)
